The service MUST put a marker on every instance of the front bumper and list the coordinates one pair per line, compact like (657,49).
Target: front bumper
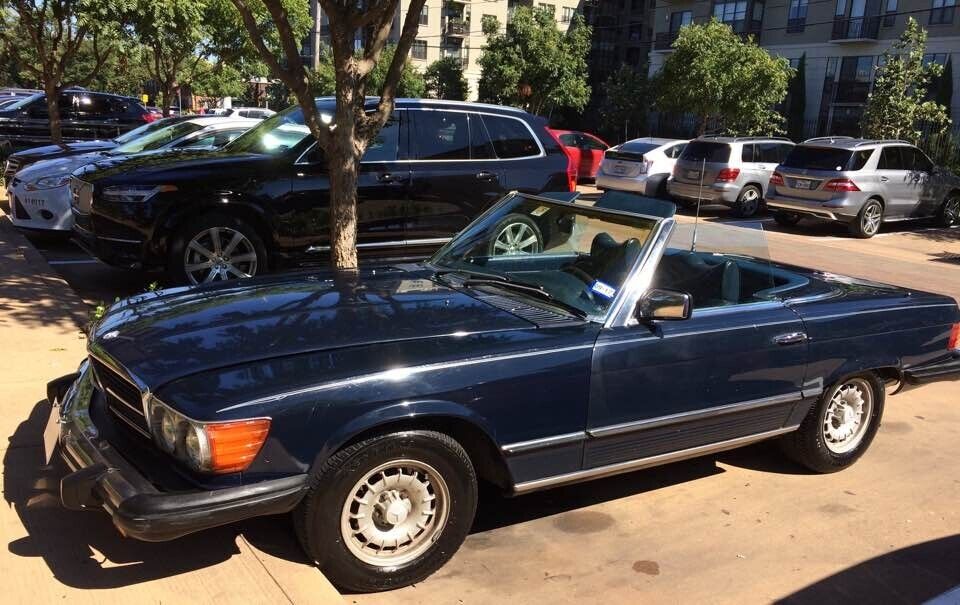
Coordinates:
(947,369)
(102,477)
(47,209)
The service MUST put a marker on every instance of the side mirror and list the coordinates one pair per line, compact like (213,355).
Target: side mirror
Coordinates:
(664,304)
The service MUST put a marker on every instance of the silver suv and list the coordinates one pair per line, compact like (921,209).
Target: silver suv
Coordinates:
(862,183)
(727,170)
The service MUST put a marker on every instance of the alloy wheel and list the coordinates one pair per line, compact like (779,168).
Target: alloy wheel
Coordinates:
(395,513)
(218,254)
(847,416)
(516,238)
(871,219)
(951,211)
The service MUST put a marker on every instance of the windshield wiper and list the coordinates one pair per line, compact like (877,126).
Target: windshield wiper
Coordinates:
(524,288)
(470,273)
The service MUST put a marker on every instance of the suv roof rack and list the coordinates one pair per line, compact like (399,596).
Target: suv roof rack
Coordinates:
(838,138)
(751,138)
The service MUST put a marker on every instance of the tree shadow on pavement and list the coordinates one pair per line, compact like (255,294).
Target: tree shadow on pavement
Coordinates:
(909,575)
(81,548)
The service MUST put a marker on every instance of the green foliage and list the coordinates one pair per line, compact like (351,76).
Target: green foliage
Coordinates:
(219,80)
(797,100)
(723,81)
(624,106)
(412,83)
(897,107)
(444,80)
(533,64)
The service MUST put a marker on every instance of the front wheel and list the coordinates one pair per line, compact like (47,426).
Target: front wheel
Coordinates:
(748,202)
(516,234)
(388,511)
(217,247)
(840,427)
(949,214)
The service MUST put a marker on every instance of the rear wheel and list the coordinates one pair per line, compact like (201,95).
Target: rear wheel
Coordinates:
(786,219)
(748,203)
(516,234)
(217,247)
(868,221)
(840,427)
(388,511)
(950,211)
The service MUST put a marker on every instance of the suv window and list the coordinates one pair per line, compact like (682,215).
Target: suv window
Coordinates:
(891,158)
(441,135)
(569,139)
(768,153)
(920,163)
(592,143)
(481,148)
(385,147)
(93,106)
(748,153)
(675,151)
(818,158)
(511,138)
(706,150)
(860,159)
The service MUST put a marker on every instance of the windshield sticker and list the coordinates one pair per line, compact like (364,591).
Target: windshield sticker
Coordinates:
(539,210)
(604,290)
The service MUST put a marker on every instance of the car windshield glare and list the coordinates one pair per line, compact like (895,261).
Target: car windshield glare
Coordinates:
(158,138)
(277,134)
(570,255)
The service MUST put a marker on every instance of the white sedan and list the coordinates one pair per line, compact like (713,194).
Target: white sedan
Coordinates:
(640,165)
(40,193)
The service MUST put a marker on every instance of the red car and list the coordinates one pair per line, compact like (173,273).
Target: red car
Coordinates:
(586,151)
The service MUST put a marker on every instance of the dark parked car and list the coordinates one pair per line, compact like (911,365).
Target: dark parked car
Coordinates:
(22,159)
(84,116)
(263,202)
(371,404)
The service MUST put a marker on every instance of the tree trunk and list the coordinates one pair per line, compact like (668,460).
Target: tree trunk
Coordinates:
(343,164)
(166,91)
(53,111)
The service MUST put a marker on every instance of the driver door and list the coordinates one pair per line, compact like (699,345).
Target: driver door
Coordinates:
(733,370)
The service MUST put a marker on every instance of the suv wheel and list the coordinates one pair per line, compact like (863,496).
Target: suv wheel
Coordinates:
(868,221)
(218,247)
(786,219)
(950,211)
(748,204)
(516,234)
(388,511)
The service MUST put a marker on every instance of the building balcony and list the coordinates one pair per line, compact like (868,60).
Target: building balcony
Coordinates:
(664,40)
(855,29)
(458,28)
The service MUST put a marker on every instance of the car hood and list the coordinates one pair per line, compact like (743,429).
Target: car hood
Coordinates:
(168,164)
(162,336)
(39,153)
(56,166)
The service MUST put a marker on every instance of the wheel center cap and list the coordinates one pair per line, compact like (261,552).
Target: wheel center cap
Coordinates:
(394,508)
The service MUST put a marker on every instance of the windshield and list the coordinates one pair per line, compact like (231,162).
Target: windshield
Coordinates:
(275,135)
(145,129)
(572,256)
(25,101)
(158,138)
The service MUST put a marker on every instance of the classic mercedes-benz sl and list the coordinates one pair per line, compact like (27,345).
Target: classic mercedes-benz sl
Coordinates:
(549,342)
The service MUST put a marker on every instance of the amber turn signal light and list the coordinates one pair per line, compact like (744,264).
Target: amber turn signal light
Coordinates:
(234,445)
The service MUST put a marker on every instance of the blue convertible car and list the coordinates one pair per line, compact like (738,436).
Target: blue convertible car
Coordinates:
(549,342)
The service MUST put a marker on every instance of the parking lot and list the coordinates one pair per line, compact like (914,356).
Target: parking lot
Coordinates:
(743,526)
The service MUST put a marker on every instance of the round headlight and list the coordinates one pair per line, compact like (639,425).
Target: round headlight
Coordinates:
(196,447)
(168,430)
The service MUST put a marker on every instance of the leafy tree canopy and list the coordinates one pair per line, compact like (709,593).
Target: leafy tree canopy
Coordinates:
(534,65)
(411,84)
(724,82)
(624,107)
(444,80)
(898,107)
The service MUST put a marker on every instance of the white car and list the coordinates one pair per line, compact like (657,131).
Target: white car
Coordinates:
(260,113)
(40,193)
(640,165)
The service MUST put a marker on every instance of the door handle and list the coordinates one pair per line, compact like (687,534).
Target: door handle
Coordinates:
(884,179)
(391,178)
(486,176)
(790,338)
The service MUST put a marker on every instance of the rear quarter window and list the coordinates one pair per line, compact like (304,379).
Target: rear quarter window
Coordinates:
(698,151)
(510,137)
(818,158)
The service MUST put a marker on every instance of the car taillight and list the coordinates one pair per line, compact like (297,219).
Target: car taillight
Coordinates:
(841,185)
(727,175)
(776,179)
(954,343)
(148,117)
(571,163)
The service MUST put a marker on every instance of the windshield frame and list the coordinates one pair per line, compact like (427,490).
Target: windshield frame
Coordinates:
(638,277)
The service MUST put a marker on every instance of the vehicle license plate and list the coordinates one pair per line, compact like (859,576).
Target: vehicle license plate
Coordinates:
(693,174)
(801,184)
(35,202)
(619,168)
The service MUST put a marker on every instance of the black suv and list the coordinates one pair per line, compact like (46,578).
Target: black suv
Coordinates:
(263,201)
(84,116)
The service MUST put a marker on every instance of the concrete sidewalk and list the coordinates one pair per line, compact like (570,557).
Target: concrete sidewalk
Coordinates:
(53,554)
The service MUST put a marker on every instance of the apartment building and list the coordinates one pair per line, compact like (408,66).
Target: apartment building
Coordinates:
(843,41)
(448,28)
(622,34)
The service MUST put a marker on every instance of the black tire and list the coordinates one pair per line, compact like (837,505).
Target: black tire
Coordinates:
(809,446)
(318,517)
(748,202)
(787,219)
(862,227)
(521,225)
(252,245)
(949,214)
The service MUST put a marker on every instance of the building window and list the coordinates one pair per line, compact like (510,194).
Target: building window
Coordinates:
(939,58)
(797,18)
(636,5)
(679,19)
(889,13)
(419,50)
(841,8)
(795,63)
(425,15)
(733,13)
(856,74)
(568,13)
(942,12)
(550,8)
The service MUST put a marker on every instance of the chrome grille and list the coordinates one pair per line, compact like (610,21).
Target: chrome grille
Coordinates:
(123,398)
(11,168)
(81,195)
